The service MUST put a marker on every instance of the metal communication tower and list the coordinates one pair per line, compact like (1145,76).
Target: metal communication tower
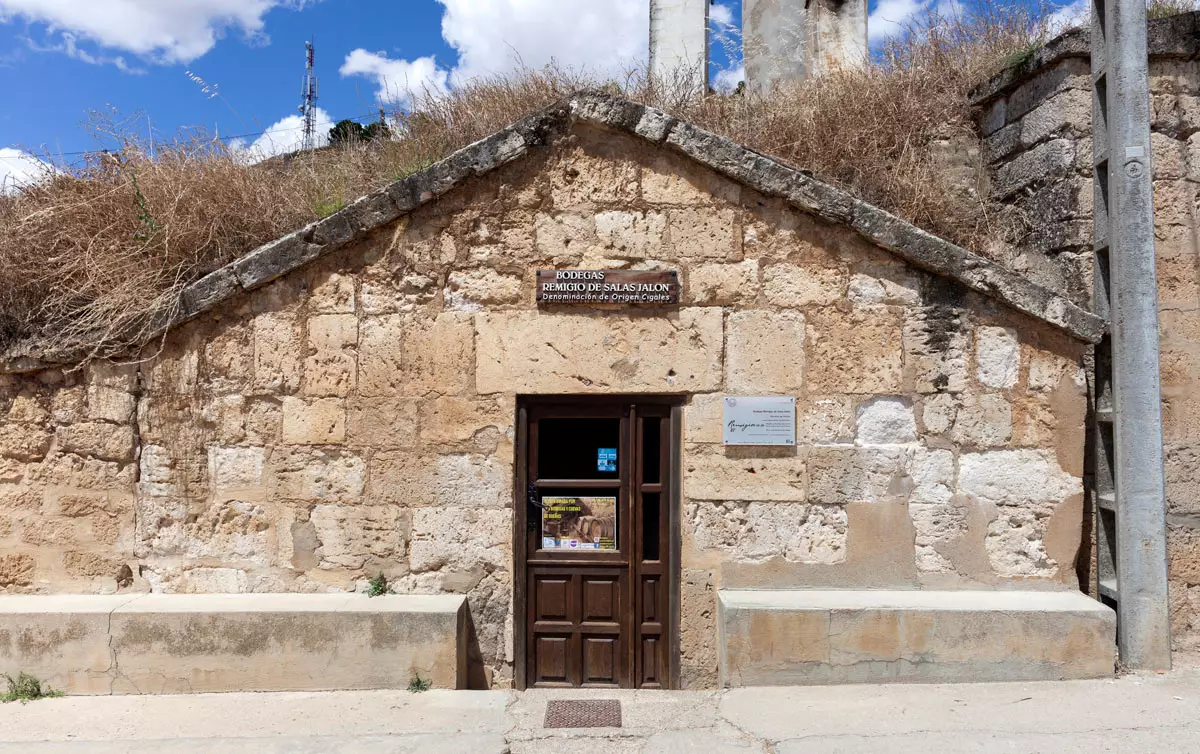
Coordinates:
(1127,428)
(308,105)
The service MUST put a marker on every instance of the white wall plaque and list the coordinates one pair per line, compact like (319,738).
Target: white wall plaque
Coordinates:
(759,421)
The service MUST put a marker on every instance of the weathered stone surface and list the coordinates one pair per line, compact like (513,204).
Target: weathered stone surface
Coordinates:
(532,352)
(795,286)
(235,468)
(277,353)
(312,475)
(997,356)
(382,422)
(467,480)
(886,421)
(631,235)
(109,442)
(768,475)
(764,352)
(855,352)
(756,532)
(24,443)
(723,284)
(983,421)
(355,536)
(404,355)
(460,538)
(704,234)
(472,291)
(845,474)
(319,421)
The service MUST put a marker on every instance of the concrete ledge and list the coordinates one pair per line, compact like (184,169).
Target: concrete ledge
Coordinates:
(780,638)
(170,644)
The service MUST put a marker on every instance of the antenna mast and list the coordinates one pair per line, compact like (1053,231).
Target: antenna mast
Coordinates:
(308,105)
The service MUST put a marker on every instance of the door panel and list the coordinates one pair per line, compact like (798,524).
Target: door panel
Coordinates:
(594,544)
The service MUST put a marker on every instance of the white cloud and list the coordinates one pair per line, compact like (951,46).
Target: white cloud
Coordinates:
(398,81)
(495,36)
(1074,14)
(498,36)
(169,31)
(19,168)
(727,80)
(890,17)
(283,137)
(720,14)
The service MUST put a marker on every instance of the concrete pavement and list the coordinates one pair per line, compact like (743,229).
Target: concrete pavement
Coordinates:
(1137,713)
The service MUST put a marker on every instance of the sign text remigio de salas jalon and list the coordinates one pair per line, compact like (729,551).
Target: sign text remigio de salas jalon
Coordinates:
(639,287)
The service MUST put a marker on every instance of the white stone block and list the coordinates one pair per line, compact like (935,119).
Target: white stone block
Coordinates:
(997,356)
(886,421)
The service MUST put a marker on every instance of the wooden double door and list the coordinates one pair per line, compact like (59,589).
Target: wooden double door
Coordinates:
(597,543)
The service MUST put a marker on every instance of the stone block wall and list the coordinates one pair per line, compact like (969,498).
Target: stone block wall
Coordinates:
(357,416)
(1036,127)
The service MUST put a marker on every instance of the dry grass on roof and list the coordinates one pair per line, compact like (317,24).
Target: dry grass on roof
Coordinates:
(87,257)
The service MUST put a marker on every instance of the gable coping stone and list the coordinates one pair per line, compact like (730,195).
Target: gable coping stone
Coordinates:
(742,164)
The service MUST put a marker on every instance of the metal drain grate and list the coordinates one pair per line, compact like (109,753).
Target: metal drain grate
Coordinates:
(583,713)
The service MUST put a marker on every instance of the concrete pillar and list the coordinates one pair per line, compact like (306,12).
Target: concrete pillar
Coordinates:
(774,44)
(837,35)
(679,41)
(789,40)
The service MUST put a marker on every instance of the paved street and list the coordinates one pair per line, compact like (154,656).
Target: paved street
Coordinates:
(1157,713)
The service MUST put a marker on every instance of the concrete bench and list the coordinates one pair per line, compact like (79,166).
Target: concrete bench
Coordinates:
(778,638)
(168,644)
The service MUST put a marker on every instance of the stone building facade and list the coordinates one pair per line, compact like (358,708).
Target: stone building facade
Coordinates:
(1036,122)
(342,402)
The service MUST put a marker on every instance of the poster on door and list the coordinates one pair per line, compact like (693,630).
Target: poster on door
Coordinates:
(579,523)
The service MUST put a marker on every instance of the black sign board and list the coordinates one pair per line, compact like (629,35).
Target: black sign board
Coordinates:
(634,287)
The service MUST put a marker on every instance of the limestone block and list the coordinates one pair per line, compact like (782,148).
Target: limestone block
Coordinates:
(473,290)
(229,530)
(27,409)
(16,570)
(460,538)
(841,474)
(109,442)
(765,352)
(561,239)
(235,468)
(854,352)
(330,374)
(67,404)
(766,475)
(1016,477)
(468,480)
(212,581)
(401,295)
(382,422)
(723,284)
(24,442)
(84,473)
(333,295)
(109,404)
(11,472)
(704,234)
(332,332)
(92,565)
(1182,477)
(584,180)
(939,412)
(1046,369)
(450,420)
(983,421)
(886,421)
(277,353)
(997,356)
(317,421)
(824,420)
(409,356)
(15,498)
(282,642)
(871,636)
(305,474)
(795,286)
(884,284)
(660,352)
(357,536)
(228,361)
(668,180)
(702,418)
(50,531)
(939,517)
(631,235)
(757,532)
(936,344)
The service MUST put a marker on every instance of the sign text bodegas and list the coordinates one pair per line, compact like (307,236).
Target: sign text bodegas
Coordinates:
(640,287)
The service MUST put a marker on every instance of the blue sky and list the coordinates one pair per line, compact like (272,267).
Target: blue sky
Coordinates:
(162,60)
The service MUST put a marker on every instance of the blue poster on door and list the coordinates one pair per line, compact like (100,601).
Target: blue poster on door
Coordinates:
(606,459)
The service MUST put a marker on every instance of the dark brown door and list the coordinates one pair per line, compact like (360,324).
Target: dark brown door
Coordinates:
(596,544)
